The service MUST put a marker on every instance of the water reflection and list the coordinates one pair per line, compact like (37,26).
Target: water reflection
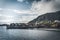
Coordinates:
(27,34)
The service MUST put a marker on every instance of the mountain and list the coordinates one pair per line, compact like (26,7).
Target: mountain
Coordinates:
(47,17)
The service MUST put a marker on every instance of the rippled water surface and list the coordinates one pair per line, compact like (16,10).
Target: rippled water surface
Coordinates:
(28,34)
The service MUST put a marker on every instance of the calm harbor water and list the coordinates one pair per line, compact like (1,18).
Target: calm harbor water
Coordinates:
(28,34)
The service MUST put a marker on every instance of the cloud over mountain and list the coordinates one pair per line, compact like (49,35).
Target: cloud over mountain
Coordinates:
(44,6)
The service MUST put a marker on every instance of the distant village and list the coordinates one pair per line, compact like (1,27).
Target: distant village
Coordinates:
(42,24)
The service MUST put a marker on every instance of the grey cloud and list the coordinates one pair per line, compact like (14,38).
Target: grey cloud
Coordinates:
(45,6)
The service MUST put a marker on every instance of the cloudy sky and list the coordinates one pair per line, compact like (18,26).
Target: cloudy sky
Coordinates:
(23,11)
